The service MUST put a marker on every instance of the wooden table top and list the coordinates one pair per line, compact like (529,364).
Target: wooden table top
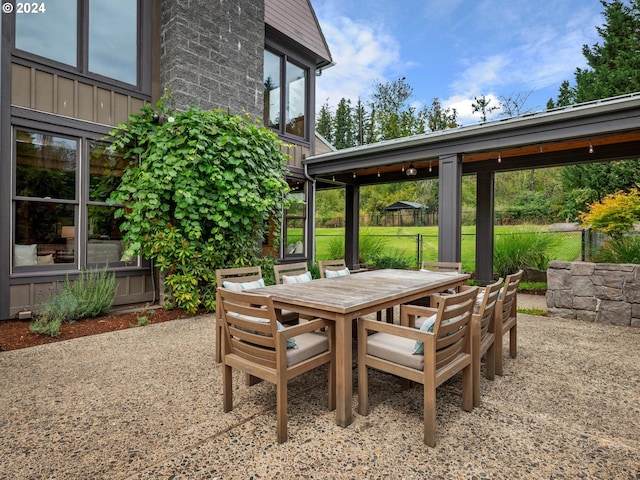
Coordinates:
(360,290)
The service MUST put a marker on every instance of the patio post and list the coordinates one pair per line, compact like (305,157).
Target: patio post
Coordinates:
(352,225)
(450,208)
(484,226)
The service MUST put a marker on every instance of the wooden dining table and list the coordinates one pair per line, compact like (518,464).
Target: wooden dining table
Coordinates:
(344,299)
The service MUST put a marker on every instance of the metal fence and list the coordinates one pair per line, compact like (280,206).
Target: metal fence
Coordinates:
(416,248)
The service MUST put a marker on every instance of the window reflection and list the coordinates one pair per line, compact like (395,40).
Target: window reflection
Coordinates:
(296,95)
(45,166)
(45,233)
(104,237)
(294,223)
(106,168)
(51,34)
(271,90)
(113,36)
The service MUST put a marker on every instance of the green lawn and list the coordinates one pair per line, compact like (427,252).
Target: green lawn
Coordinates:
(405,240)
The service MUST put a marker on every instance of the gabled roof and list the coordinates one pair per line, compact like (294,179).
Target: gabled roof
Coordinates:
(404,206)
(297,20)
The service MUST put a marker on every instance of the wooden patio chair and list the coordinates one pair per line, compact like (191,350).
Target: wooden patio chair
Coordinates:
(507,318)
(438,356)
(289,270)
(245,278)
(333,265)
(442,266)
(254,343)
(484,337)
(241,275)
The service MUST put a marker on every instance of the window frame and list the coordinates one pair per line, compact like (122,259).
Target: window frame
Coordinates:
(284,254)
(287,57)
(81,70)
(81,203)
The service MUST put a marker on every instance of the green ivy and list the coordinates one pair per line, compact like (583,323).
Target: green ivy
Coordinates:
(198,194)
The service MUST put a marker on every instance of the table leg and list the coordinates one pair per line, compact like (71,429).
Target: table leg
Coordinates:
(344,374)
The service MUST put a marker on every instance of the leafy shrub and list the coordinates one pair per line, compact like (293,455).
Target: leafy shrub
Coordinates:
(199,194)
(369,247)
(615,214)
(518,251)
(620,250)
(92,294)
(395,259)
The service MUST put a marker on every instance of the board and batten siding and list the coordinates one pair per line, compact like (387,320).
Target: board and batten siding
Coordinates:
(53,93)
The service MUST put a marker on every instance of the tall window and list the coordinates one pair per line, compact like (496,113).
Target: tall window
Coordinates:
(285,95)
(108,47)
(295,223)
(56,222)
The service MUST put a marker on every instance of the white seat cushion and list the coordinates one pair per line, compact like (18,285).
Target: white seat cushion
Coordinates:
(394,349)
(309,345)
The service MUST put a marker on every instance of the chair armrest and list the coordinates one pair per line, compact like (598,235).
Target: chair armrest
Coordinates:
(305,327)
(408,314)
(392,329)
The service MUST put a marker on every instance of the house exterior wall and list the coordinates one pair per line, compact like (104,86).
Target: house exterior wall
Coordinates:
(210,54)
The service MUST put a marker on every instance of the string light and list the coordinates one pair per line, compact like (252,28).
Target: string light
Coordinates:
(429,165)
(590,147)
(499,158)
(378,173)
(403,168)
(354,174)
(411,171)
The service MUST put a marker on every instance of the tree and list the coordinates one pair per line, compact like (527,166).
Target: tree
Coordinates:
(438,118)
(199,194)
(615,214)
(614,69)
(393,115)
(344,128)
(482,105)
(324,123)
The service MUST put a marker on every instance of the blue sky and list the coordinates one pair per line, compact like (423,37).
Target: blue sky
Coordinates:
(455,50)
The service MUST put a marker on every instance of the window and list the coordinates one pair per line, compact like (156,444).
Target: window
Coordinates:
(295,223)
(108,47)
(59,220)
(289,103)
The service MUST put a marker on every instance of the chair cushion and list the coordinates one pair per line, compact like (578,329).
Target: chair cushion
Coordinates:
(239,286)
(426,325)
(337,273)
(394,349)
(478,304)
(303,277)
(309,345)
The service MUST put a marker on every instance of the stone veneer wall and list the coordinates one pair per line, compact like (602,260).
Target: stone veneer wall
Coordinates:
(600,292)
(213,54)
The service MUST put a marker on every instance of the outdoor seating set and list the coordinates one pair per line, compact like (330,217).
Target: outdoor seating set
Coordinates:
(431,344)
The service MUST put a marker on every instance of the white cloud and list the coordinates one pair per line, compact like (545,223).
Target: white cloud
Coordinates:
(362,53)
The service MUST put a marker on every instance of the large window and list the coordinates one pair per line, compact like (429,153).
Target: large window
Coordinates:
(62,216)
(285,95)
(295,223)
(108,46)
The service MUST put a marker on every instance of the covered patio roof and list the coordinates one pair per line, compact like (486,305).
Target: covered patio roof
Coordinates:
(602,130)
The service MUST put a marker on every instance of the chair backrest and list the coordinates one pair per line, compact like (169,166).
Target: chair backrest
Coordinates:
(509,292)
(324,265)
(249,327)
(442,266)
(453,326)
(289,269)
(237,275)
(487,306)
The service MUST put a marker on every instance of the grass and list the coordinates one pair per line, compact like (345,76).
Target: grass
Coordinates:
(405,240)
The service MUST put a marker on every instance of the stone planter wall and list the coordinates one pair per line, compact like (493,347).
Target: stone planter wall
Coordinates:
(598,292)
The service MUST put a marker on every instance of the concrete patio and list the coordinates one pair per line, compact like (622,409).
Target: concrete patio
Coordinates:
(146,403)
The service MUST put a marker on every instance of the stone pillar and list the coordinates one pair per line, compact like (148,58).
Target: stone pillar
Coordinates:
(213,54)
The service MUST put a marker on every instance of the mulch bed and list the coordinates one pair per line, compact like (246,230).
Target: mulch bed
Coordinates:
(15,334)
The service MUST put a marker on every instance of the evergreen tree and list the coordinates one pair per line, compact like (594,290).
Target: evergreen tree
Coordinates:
(393,115)
(324,123)
(438,118)
(344,128)
(614,69)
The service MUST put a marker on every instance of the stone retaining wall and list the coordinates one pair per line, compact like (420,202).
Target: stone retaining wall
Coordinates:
(600,292)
